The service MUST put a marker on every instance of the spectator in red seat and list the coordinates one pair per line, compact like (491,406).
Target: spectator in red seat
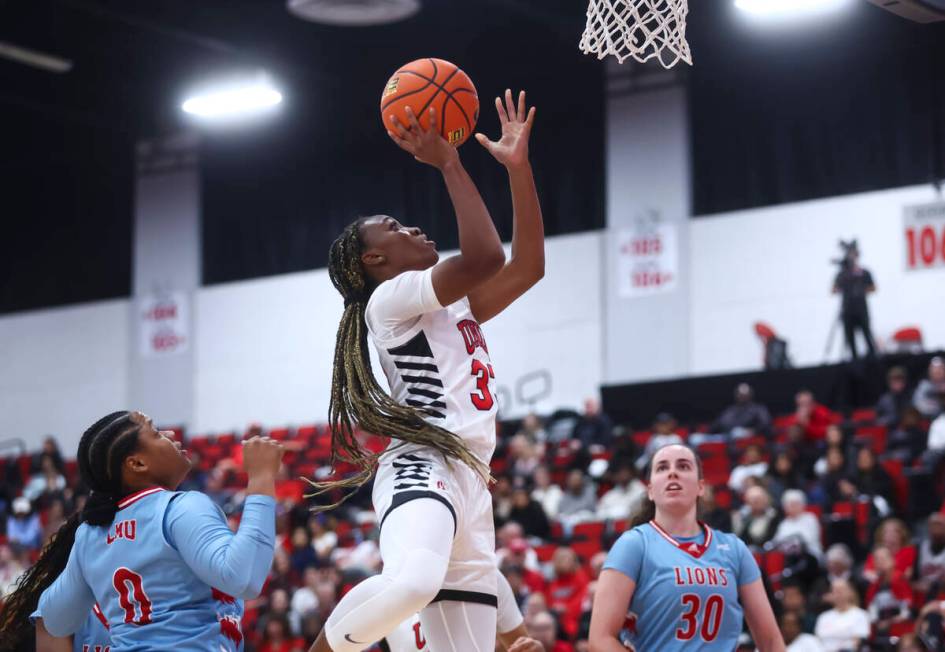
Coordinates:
(565,592)
(839,562)
(930,561)
(888,597)
(714,516)
(547,493)
(579,501)
(756,522)
(595,429)
(664,434)
(529,514)
(48,482)
(515,574)
(928,397)
(505,536)
(745,417)
(50,449)
(908,440)
(533,429)
(624,498)
(55,518)
(782,474)
(932,458)
(895,537)
(799,523)
(523,456)
(304,599)
(23,526)
(869,478)
(794,638)
(10,570)
(834,486)
(321,528)
(752,465)
(543,629)
(302,554)
(502,498)
(794,600)
(277,637)
(892,404)
(844,626)
(518,552)
(813,416)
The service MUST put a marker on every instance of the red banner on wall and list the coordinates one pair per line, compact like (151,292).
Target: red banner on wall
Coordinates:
(924,232)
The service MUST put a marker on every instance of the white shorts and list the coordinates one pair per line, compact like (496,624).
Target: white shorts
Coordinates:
(408,474)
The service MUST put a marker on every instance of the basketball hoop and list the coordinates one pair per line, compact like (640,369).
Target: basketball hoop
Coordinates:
(642,29)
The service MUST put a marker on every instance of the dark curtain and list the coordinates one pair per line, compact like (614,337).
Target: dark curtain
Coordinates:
(65,208)
(841,104)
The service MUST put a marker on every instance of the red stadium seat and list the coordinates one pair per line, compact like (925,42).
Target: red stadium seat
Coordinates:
(307,433)
(863,415)
(589,530)
(640,438)
(874,435)
(586,549)
(908,339)
(280,434)
(546,551)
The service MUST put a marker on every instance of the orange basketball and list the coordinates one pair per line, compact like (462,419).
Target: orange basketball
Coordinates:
(436,83)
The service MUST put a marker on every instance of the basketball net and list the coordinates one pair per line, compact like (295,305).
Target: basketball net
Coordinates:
(642,29)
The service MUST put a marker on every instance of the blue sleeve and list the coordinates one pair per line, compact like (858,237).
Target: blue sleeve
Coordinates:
(748,570)
(627,555)
(66,604)
(233,563)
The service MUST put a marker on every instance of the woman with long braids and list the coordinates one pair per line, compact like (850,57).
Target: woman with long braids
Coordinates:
(163,566)
(673,583)
(423,315)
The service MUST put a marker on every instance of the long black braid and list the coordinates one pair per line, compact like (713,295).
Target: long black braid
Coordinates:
(102,450)
(357,400)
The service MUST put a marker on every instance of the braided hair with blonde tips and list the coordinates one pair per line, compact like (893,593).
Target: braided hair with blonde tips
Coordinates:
(358,402)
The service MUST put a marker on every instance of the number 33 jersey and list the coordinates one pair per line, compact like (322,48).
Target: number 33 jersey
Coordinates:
(435,358)
(686,595)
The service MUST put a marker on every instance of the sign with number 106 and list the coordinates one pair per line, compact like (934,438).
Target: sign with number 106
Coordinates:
(925,236)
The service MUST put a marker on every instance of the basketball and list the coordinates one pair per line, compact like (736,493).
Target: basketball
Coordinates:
(436,83)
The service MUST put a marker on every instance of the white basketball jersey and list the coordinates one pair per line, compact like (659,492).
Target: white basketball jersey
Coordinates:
(435,358)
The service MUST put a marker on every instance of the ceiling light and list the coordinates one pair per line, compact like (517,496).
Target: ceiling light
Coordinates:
(789,7)
(233,100)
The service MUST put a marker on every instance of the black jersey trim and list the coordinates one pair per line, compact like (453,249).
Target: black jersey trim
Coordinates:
(454,595)
(405,497)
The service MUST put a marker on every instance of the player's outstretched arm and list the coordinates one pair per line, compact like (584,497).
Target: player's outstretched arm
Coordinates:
(760,617)
(480,249)
(611,600)
(527,265)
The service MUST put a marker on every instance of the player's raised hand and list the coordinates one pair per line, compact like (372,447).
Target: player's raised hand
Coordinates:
(262,456)
(511,150)
(426,145)
(525,644)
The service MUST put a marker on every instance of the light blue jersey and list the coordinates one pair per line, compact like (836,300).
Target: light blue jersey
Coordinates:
(94,636)
(168,573)
(686,595)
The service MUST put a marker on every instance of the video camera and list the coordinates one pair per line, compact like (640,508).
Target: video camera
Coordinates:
(849,249)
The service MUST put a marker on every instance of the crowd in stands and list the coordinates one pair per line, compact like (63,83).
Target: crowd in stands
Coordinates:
(843,512)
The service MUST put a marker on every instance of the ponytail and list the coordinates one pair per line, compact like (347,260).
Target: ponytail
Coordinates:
(102,450)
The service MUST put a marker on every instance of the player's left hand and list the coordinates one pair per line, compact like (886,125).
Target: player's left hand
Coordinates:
(511,150)
(525,644)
